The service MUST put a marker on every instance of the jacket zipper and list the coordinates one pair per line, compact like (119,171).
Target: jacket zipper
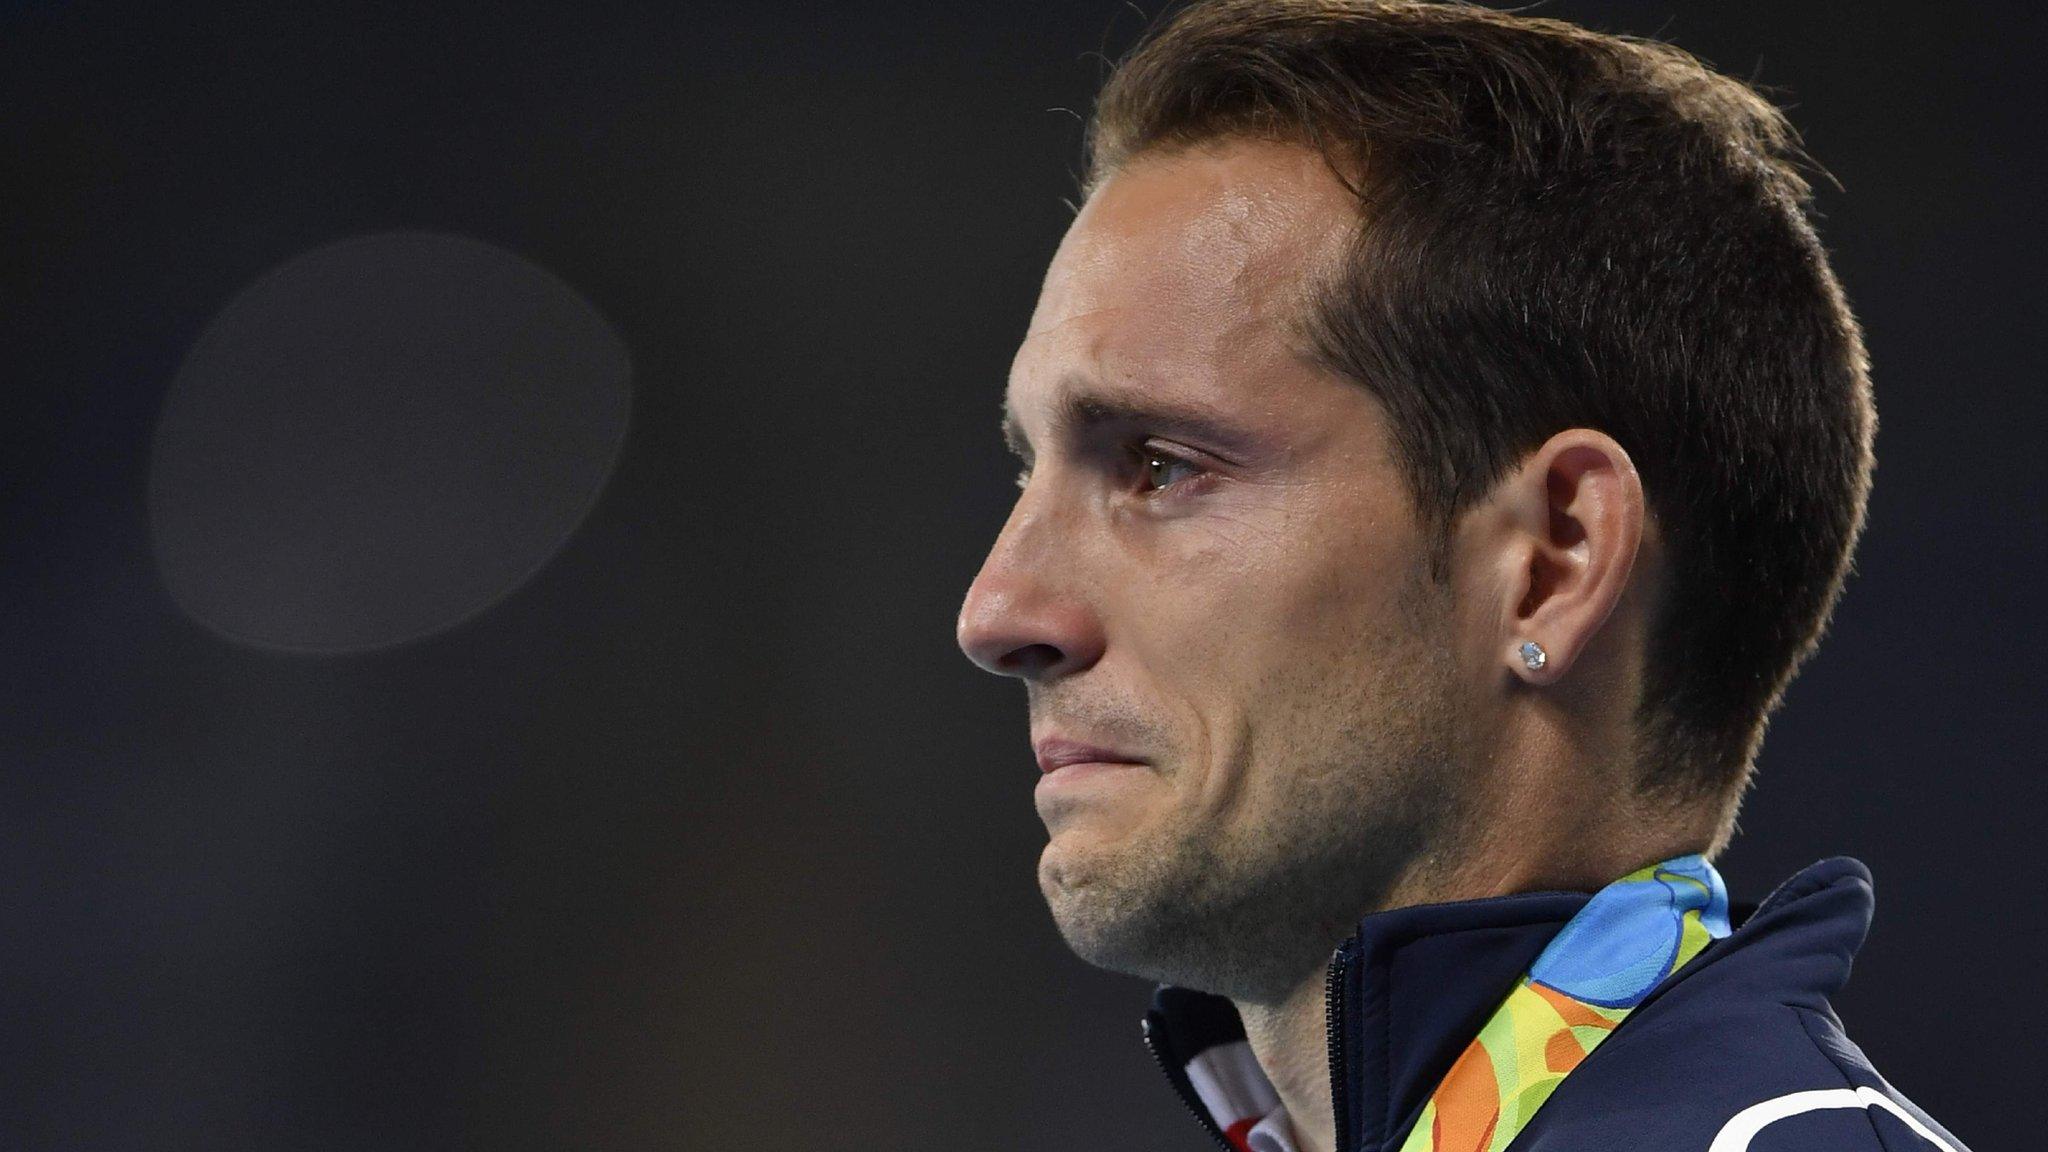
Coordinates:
(1178,1078)
(1333,1018)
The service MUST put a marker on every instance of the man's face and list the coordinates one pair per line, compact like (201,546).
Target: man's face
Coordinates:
(1214,577)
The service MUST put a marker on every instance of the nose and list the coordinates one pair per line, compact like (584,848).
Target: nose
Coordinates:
(1024,615)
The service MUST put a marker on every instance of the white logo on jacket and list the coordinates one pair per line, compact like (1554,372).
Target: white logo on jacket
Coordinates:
(1743,1127)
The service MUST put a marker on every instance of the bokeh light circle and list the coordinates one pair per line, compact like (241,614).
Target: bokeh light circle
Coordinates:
(380,439)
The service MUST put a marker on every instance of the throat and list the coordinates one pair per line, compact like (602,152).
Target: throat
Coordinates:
(1289,1037)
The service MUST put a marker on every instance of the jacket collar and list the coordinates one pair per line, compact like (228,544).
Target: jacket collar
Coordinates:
(1412,987)
(1407,992)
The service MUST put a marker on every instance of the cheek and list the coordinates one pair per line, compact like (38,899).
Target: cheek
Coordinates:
(1341,619)
(1291,557)
(1298,655)
(1253,631)
(1310,598)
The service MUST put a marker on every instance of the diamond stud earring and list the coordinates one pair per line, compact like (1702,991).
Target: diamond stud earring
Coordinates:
(1533,656)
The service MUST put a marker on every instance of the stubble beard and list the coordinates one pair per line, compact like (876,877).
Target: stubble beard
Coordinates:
(1245,910)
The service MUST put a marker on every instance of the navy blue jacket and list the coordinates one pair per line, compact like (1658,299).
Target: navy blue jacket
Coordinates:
(1737,1051)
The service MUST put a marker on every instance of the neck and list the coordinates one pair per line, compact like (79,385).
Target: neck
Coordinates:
(1526,848)
(1290,1041)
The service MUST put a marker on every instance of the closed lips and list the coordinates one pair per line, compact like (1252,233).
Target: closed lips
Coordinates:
(1054,754)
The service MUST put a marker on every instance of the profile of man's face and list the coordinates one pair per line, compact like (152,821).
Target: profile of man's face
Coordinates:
(1213,571)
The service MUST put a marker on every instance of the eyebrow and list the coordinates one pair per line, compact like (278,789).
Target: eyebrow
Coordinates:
(1079,409)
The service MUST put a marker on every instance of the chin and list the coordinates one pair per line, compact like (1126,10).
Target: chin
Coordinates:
(1060,875)
(1083,863)
(1104,908)
(1070,882)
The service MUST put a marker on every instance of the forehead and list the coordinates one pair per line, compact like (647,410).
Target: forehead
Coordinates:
(1188,267)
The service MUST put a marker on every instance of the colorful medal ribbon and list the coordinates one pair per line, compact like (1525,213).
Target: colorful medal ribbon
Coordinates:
(1634,933)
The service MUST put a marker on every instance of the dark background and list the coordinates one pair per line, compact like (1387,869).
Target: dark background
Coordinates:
(707,836)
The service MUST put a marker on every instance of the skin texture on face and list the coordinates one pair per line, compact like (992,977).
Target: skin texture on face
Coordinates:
(1214,570)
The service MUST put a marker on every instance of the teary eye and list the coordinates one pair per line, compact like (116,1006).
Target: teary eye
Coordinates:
(1158,467)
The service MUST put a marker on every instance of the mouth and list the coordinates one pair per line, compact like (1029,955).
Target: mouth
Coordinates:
(1066,764)
(1058,755)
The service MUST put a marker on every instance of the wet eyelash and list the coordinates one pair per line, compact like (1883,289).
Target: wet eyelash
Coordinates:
(1142,455)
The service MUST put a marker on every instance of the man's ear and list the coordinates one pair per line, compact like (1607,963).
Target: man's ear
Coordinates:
(1564,530)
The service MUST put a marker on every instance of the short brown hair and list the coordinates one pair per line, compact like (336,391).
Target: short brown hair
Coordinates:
(1565,228)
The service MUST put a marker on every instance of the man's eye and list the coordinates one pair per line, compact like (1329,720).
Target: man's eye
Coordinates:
(1161,470)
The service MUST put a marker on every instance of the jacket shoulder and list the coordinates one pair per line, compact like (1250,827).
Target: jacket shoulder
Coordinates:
(1767,1077)
(1740,1051)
